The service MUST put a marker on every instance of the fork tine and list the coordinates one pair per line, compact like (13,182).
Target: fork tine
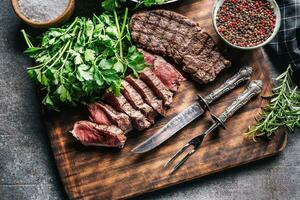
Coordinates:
(182,161)
(177,154)
(195,142)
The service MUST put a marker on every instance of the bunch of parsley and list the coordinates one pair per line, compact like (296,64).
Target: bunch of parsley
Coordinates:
(77,62)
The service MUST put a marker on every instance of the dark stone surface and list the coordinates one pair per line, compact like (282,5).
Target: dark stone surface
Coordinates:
(27,168)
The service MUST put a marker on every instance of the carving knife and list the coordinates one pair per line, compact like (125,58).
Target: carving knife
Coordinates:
(253,89)
(192,112)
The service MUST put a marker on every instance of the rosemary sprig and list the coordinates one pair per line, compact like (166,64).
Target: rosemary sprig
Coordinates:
(283,110)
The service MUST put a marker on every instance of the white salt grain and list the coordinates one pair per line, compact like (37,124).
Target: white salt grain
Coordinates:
(42,10)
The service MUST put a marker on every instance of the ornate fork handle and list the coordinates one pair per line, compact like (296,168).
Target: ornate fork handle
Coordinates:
(253,89)
(242,75)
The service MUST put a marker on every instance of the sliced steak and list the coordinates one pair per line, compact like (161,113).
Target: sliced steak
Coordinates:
(139,121)
(166,72)
(97,115)
(173,35)
(148,57)
(92,134)
(137,102)
(147,94)
(121,120)
(157,86)
(170,77)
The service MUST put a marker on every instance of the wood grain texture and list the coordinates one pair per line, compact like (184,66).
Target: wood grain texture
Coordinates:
(99,173)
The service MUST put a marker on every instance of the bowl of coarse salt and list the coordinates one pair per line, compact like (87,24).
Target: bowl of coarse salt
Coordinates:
(43,13)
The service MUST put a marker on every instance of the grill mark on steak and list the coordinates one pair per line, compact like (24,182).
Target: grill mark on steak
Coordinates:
(170,34)
(137,102)
(91,134)
(173,16)
(120,103)
(157,86)
(194,63)
(169,40)
(176,28)
(121,120)
(147,94)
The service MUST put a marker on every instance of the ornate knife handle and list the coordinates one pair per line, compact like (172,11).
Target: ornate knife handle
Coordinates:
(253,89)
(242,75)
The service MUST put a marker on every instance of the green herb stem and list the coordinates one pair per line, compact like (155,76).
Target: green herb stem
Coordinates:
(61,54)
(119,33)
(124,21)
(283,109)
(27,40)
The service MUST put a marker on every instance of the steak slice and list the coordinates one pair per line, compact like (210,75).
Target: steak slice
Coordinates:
(147,94)
(91,134)
(148,57)
(97,115)
(170,77)
(166,72)
(173,35)
(121,120)
(157,86)
(137,102)
(139,121)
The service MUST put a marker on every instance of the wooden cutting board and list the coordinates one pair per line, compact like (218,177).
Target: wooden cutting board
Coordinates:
(99,173)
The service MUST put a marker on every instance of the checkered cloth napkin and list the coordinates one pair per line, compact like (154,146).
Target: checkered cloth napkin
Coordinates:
(285,45)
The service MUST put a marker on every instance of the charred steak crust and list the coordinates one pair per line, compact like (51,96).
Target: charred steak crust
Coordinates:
(157,86)
(173,35)
(147,94)
(92,134)
(137,102)
(139,121)
(121,120)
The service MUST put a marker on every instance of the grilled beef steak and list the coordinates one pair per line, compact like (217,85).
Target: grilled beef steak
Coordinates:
(99,111)
(91,134)
(157,86)
(98,115)
(137,102)
(168,74)
(173,35)
(148,57)
(147,94)
(139,121)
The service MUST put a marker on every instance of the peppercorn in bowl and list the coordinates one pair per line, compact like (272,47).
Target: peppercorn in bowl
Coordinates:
(246,24)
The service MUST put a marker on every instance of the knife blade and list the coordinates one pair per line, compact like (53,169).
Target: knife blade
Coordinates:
(192,112)
(173,126)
